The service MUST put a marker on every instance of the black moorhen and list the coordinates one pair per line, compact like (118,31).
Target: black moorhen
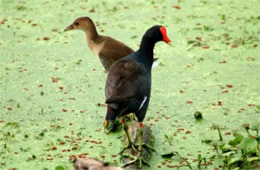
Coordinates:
(128,84)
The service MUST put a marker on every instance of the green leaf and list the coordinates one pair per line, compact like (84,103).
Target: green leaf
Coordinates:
(225,148)
(198,115)
(168,155)
(207,141)
(237,168)
(228,153)
(258,139)
(249,145)
(256,126)
(12,124)
(113,125)
(60,167)
(168,138)
(251,159)
(234,160)
(237,140)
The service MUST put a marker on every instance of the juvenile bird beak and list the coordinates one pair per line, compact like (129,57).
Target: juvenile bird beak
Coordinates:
(70,27)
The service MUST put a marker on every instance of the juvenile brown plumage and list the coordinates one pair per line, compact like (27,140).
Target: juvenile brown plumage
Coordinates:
(107,49)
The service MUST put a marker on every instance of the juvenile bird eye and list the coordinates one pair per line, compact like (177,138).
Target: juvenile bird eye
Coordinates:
(76,23)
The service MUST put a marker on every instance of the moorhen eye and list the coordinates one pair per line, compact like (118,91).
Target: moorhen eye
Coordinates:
(76,23)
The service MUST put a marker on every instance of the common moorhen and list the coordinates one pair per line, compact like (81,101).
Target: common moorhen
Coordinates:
(128,84)
(107,49)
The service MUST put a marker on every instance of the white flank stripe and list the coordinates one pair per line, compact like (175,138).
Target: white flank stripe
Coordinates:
(145,97)
(155,64)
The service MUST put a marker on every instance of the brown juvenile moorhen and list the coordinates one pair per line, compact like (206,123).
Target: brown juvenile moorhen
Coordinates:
(107,49)
(128,84)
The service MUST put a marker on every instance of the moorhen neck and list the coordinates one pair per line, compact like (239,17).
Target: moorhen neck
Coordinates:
(128,85)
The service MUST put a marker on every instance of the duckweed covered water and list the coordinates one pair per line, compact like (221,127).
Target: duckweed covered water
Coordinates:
(52,86)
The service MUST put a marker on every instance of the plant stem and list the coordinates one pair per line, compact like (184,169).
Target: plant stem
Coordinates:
(219,134)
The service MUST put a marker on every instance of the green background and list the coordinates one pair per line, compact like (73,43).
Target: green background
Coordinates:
(52,86)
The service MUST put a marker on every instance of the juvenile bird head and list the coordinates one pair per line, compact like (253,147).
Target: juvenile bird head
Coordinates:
(82,23)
